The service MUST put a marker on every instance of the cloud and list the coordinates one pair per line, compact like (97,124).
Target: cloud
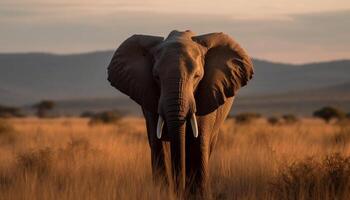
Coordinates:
(238,9)
(292,38)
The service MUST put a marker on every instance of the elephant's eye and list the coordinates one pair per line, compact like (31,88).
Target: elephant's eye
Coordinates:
(196,76)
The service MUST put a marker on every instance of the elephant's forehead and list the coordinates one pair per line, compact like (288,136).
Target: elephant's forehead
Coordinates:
(180,34)
(178,47)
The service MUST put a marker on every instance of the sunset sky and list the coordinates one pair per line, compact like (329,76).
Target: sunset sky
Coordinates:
(295,31)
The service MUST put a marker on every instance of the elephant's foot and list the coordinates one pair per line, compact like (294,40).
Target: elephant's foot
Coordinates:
(159,172)
(160,164)
(198,191)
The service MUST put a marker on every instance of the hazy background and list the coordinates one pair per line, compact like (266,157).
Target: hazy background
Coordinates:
(53,63)
(287,31)
(295,33)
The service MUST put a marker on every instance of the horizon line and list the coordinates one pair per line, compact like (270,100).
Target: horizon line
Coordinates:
(111,50)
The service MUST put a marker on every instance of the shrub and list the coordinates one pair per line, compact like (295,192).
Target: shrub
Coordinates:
(274,120)
(87,114)
(6,112)
(290,118)
(230,116)
(246,117)
(310,179)
(328,113)
(38,162)
(43,108)
(105,117)
(341,137)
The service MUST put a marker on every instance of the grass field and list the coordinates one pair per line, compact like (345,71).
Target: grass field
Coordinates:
(66,158)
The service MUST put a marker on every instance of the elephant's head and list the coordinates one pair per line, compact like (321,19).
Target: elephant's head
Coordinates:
(180,76)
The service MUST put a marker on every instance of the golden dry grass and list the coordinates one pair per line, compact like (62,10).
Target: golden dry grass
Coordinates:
(66,158)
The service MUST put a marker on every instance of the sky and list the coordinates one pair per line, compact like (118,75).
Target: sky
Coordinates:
(290,31)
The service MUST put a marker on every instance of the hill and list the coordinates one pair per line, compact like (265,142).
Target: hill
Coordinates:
(26,78)
(35,76)
(295,102)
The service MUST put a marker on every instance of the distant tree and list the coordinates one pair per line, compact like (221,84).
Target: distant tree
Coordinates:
(328,113)
(105,117)
(6,111)
(230,116)
(43,107)
(290,118)
(274,120)
(246,117)
(87,114)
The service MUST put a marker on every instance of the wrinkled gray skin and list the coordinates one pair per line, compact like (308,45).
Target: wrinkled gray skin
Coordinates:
(174,78)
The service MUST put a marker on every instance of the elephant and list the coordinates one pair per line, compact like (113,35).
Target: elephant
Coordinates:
(185,85)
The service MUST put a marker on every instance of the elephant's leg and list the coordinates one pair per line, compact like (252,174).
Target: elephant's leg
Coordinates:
(197,168)
(158,149)
(199,149)
(197,158)
(221,114)
(158,159)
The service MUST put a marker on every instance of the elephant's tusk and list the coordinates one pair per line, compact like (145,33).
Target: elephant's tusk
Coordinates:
(160,127)
(194,125)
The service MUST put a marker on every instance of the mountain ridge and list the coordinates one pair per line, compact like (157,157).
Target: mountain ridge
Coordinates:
(26,78)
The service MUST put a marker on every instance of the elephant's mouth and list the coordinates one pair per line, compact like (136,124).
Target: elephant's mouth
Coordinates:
(163,134)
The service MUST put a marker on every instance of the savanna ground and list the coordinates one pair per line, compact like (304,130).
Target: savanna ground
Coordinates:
(66,158)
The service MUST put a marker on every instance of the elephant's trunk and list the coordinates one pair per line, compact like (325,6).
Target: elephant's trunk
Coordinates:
(178,154)
(175,109)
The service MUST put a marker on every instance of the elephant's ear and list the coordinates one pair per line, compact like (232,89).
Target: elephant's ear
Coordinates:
(227,68)
(130,70)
